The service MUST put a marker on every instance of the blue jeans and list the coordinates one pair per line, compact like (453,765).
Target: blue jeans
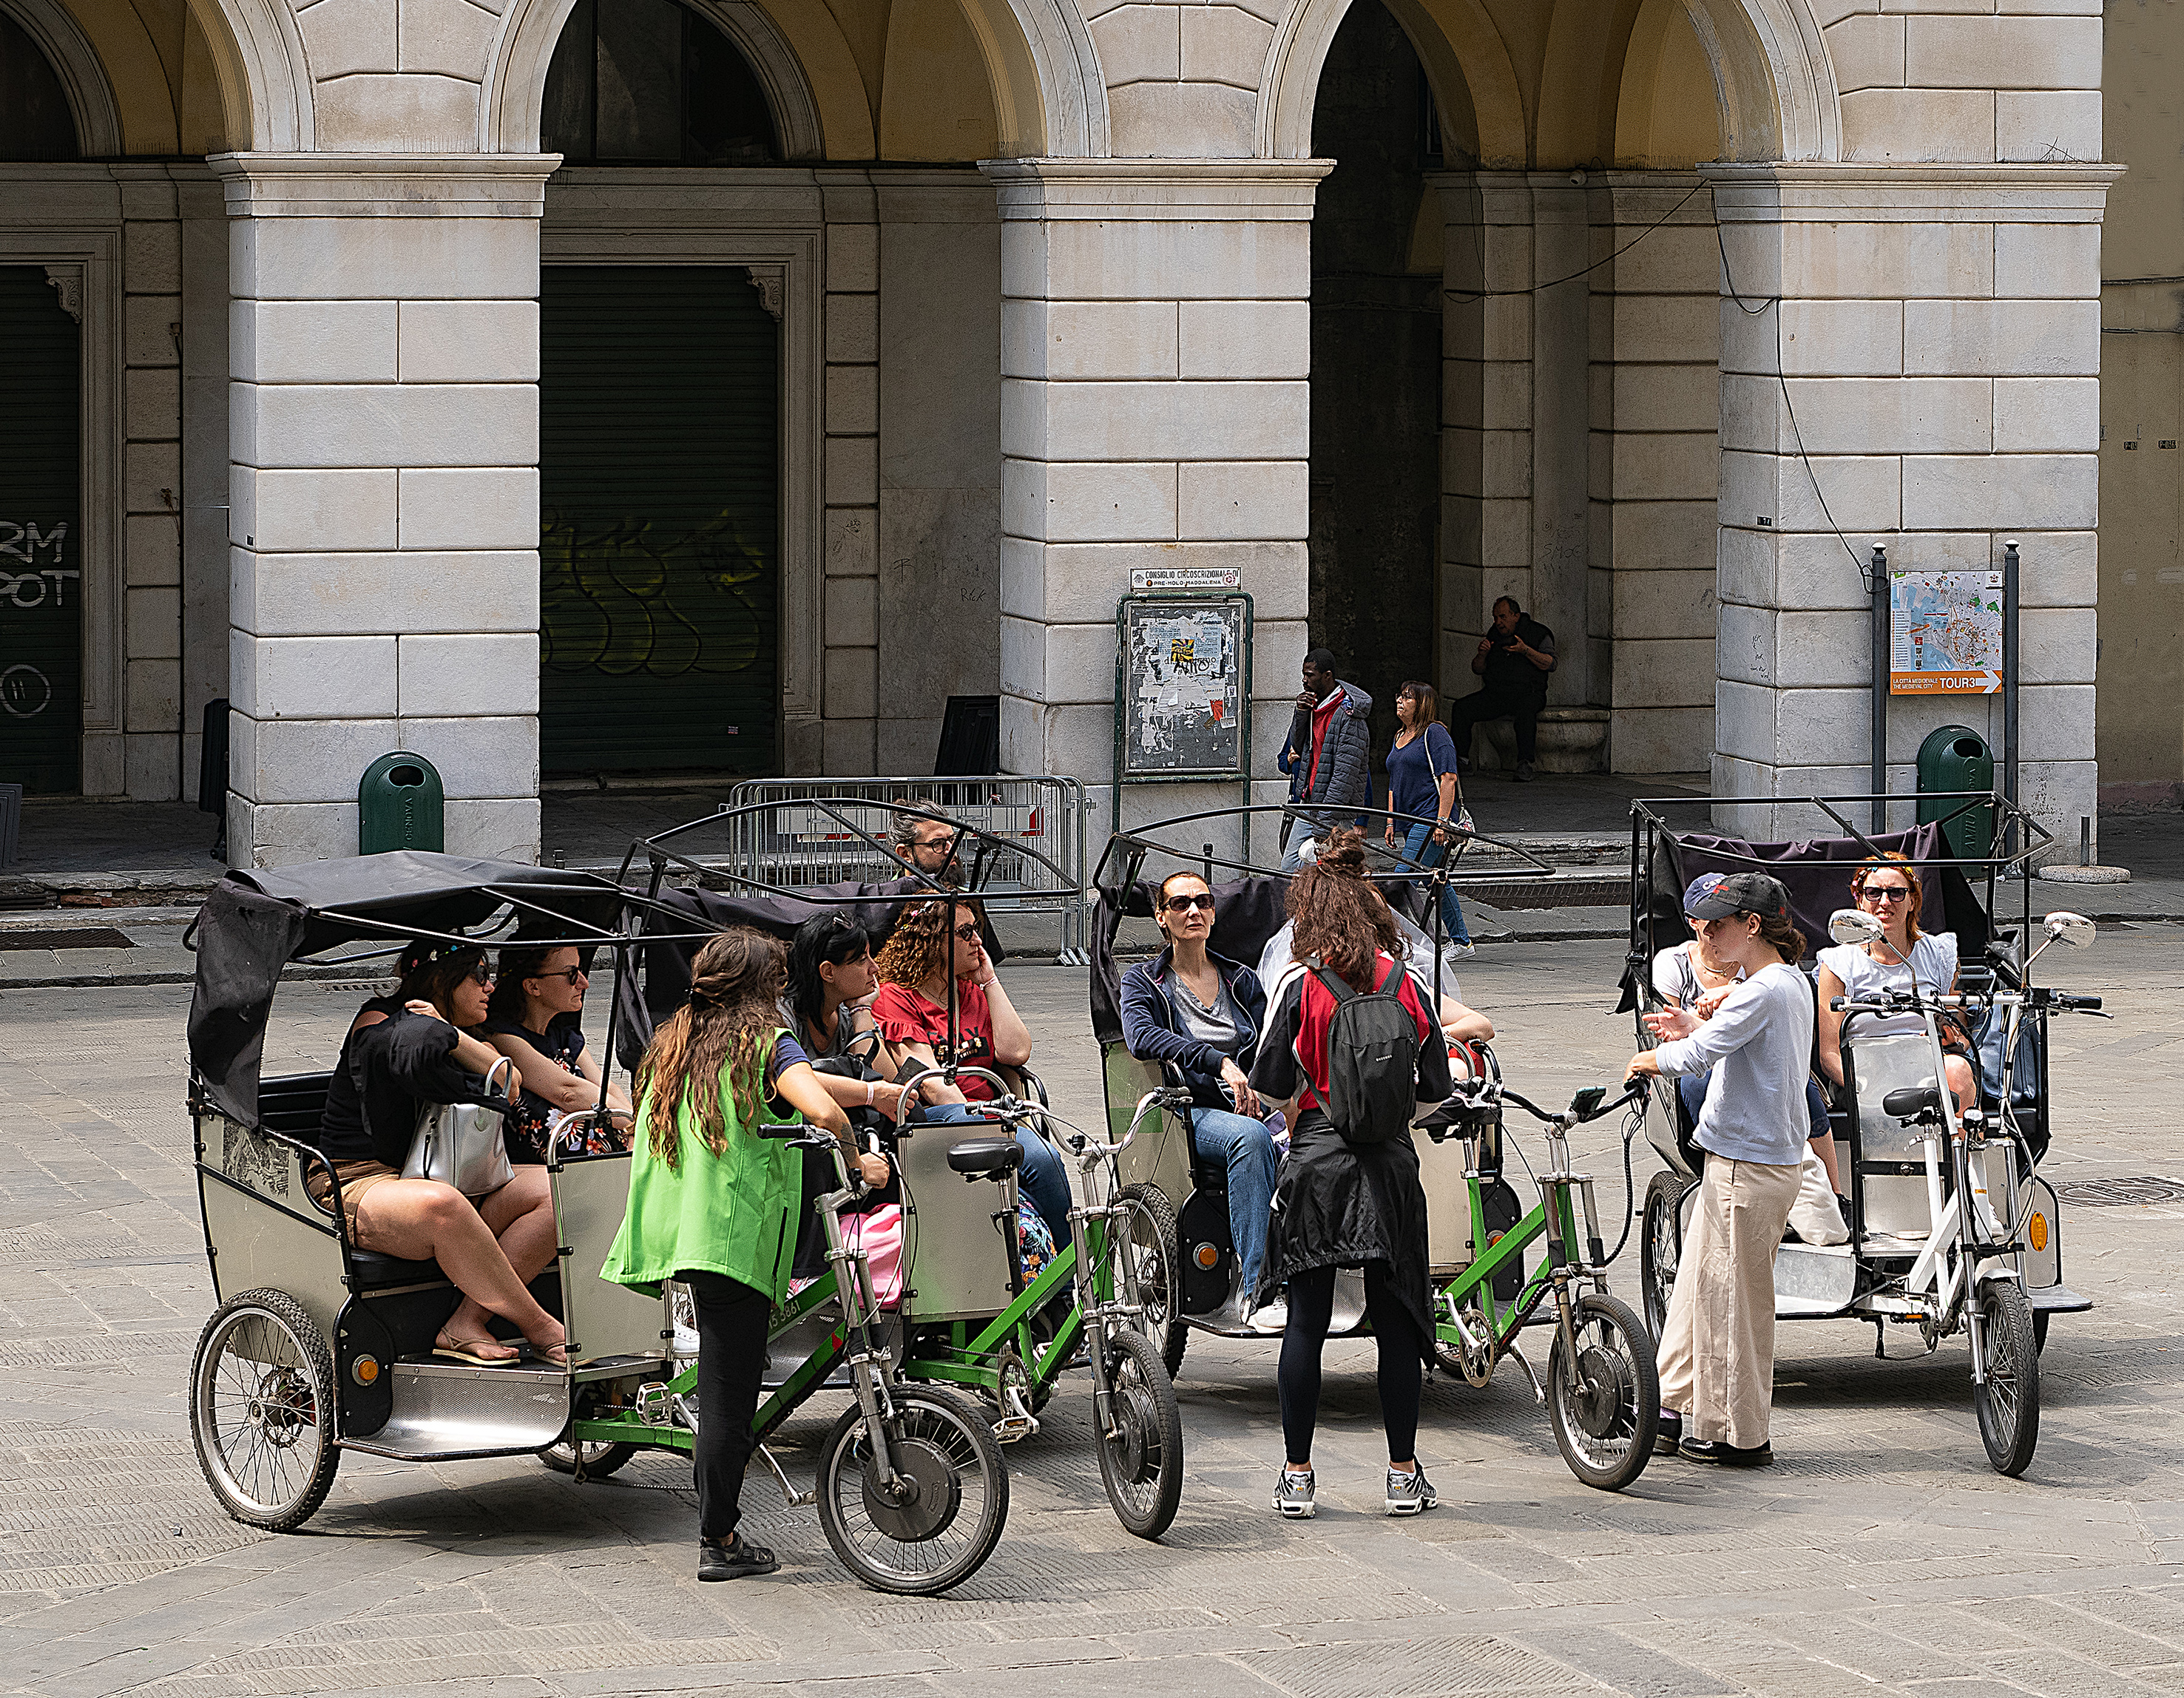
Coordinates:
(1042,1178)
(1293,844)
(1420,849)
(1248,1149)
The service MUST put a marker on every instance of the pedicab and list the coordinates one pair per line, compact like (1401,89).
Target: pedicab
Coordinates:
(1600,1386)
(318,1346)
(964,1313)
(1951,1229)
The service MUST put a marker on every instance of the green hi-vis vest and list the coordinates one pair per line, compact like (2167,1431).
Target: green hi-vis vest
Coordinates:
(732,1214)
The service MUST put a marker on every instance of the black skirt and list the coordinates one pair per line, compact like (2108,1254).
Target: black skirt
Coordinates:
(1342,1205)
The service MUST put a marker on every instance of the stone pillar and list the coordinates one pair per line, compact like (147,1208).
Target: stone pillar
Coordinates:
(1156,335)
(1928,381)
(384,506)
(850,615)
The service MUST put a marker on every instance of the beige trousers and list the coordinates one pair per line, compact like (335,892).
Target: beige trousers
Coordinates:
(1717,1357)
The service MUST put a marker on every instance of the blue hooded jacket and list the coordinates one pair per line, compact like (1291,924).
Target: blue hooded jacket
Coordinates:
(1152,1031)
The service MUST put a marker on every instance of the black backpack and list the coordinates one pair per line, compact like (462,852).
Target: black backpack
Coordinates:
(1372,1059)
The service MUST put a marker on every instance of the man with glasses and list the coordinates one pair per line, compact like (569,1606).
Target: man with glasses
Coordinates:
(934,848)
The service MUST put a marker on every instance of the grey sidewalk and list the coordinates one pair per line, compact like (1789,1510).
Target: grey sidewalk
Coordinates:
(1879,1556)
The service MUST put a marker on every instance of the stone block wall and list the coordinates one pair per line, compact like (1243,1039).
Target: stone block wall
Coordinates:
(849,475)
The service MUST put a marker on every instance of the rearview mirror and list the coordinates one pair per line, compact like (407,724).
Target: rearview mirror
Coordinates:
(2066,927)
(1855,925)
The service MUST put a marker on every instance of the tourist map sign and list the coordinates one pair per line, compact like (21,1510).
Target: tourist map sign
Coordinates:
(1183,681)
(1945,633)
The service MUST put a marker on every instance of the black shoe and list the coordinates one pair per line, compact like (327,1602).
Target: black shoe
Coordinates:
(734,1561)
(1720,1451)
(1524,772)
(1672,1430)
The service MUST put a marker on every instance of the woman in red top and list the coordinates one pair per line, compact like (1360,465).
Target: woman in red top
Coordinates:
(922,967)
(1339,1204)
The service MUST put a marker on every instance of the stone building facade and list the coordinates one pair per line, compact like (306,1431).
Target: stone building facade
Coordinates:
(1664,312)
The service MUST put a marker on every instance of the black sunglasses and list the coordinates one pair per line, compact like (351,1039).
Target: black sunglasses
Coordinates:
(1184,903)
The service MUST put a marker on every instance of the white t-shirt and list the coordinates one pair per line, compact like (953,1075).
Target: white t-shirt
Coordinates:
(1933,964)
(1675,975)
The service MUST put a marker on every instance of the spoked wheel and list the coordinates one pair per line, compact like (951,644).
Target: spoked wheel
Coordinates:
(2008,1405)
(1660,1246)
(1141,1457)
(941,1516)
(262,1410)
(1148,1236)
(599,1459)
(1606,1405)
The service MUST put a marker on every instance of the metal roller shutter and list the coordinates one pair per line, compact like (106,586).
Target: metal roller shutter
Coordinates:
(659,550)
(40,561)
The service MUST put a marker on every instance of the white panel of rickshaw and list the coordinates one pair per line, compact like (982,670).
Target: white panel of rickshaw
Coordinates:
(1882,1065)
(954,1257)
(602,1319)
(1813,1279)
(1441,1170)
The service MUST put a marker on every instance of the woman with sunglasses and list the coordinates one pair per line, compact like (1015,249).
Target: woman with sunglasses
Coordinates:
(935,957)
(1890,890)
(534,1019)
(403,1052)
(1203,1012)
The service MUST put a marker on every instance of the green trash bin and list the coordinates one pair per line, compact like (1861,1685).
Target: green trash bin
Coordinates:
(1956,757)
(400,804)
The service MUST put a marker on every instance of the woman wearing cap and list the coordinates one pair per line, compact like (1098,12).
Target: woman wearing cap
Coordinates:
(1717,1357)
(1889,890)
(403,1052)
(1685,977)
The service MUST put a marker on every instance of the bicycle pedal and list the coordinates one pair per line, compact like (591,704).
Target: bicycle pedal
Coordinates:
(796,1499)
(1010,1427)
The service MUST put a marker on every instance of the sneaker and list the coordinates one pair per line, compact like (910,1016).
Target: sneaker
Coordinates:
(1271,1318)
(1292,1496)
(1408,1493)
(1524,772)
(734,1561)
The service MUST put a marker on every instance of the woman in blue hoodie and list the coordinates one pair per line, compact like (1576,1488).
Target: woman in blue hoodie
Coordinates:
(1204,1012)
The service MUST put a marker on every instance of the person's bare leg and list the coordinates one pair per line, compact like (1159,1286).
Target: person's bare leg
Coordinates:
(1961,1085)
(419,1220)
(520,1216)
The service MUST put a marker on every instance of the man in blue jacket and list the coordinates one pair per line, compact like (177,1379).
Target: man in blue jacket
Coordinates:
(1327,756)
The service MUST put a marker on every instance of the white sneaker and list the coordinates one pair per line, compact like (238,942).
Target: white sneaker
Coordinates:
(1408,1493)
(1270,1318)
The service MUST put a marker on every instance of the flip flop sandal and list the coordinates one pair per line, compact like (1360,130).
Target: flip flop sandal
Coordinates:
(466,1351)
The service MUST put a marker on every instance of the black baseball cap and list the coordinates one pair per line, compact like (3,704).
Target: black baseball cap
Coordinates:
(1744,893)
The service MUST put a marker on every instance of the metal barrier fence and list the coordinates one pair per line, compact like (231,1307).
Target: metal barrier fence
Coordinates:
(783,845)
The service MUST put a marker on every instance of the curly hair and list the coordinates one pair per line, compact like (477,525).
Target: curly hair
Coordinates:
(1339,917)
(1893,858)
(1787,940)
(722,1035)
(917,950)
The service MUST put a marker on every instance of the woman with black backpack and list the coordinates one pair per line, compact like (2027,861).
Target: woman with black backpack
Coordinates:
(1352,1048)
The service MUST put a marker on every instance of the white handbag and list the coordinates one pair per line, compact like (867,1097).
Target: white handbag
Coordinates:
(460,1144)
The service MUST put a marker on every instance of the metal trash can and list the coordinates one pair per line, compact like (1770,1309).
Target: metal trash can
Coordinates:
(1955,757)
(400,804)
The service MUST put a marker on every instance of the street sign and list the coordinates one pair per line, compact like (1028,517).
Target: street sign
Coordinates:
(1171,580)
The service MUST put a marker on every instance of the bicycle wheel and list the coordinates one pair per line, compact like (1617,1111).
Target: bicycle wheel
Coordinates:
(932,1531)
(1606,1405)
(262,1410)
(1149,1237)
(1660,1246)
(599,1459)
(2008,1405)
(1141,1460)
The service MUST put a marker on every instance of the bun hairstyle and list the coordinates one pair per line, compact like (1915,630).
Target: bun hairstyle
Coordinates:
(1902,863)
(721,1036)
(1339,915)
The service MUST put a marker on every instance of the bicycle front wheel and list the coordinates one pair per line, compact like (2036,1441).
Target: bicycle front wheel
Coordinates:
(1605,1401)
(1141,1454)
(939,1517)
(2008,1405)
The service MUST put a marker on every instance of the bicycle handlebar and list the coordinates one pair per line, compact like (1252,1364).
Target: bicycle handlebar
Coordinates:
(1572,1116)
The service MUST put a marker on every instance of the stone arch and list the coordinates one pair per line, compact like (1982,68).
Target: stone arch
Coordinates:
(75,61)
(1049,91)
(1772,76)
(265,79)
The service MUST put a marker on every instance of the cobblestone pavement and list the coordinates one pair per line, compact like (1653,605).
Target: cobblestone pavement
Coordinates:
(1879,1555)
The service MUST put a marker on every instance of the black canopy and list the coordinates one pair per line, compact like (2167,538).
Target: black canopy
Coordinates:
(255,923)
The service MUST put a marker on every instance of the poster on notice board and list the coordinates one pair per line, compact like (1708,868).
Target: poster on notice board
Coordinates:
(1945,633)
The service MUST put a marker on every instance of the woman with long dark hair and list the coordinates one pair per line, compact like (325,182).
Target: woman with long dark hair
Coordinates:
(535,1018)
(832,982)
(1716,1356)
(1349,1196)
(710,1201)
(402,1053)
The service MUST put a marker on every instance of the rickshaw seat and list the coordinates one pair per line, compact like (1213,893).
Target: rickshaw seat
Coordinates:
(1908,1102)
(375,1271)
(986,1158)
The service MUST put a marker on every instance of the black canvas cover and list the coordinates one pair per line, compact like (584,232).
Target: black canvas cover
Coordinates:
(255,923)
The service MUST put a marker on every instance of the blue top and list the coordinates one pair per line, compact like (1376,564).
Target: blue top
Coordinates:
(1414,771)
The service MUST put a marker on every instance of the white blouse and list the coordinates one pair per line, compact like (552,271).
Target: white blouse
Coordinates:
(1933,967)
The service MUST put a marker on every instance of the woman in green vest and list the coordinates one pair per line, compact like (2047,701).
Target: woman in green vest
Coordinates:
(711,1202)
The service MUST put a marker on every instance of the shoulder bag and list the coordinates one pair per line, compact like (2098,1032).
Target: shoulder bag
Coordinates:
(460,1144)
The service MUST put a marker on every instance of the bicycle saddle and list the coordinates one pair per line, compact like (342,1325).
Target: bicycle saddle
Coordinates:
(986,1158)
(1908,1102)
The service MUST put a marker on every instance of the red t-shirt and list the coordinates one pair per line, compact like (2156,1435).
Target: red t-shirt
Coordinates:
(1322,717)
(904,1015)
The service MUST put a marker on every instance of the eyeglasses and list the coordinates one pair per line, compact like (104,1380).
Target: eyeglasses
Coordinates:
(1181,905)
(1885,892)
(571,974)
(968,933)
(482,974)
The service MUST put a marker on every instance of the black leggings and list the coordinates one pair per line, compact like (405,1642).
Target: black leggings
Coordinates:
(732,1327)
(1312,1308)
